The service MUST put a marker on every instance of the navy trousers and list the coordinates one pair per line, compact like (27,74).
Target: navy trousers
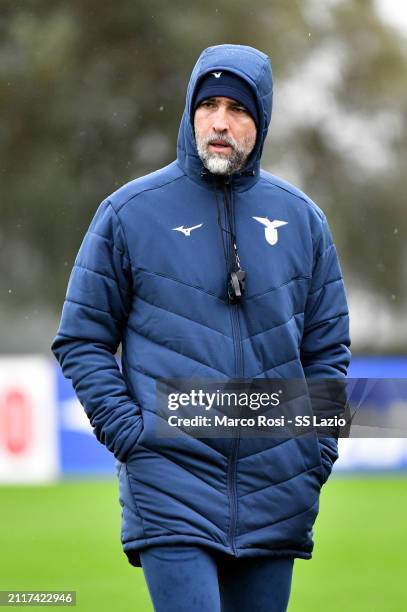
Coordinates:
(197,579)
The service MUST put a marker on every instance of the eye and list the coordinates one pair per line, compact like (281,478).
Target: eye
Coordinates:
(240,109)
(207,103)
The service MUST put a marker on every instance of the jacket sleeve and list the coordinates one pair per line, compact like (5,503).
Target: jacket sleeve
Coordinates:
(94,314)
(325,343)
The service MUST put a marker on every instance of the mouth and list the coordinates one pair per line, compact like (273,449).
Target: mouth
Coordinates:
(219,147)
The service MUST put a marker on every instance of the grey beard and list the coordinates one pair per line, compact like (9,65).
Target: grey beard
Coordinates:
(217,163)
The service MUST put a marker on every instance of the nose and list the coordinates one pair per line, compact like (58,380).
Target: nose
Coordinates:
(220,120)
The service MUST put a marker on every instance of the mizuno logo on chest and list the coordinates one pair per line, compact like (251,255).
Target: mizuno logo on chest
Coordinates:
(187,230)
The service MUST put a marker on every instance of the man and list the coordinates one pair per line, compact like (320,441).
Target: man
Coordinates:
(210,268)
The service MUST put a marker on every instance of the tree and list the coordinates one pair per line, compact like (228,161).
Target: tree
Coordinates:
(91,97)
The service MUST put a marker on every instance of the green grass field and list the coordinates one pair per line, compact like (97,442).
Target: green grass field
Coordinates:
(67,537)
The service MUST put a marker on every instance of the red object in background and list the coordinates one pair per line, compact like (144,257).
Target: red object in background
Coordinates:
(15,422)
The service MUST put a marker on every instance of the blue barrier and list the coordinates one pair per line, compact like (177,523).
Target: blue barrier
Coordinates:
(82,454)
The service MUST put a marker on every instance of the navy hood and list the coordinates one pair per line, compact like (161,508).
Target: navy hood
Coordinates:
(249,64)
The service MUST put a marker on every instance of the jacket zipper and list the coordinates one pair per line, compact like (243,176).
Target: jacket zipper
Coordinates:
(237,343)
(234,308)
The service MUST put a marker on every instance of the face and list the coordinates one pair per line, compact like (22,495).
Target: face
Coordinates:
(225,134)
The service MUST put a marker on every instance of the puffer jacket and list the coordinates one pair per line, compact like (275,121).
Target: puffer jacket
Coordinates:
(162,294)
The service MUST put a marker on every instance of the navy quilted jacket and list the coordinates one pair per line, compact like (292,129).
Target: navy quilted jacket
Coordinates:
(162,294)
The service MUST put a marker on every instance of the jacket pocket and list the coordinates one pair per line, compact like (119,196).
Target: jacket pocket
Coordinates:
(135,442)
(132,520)
(328,452)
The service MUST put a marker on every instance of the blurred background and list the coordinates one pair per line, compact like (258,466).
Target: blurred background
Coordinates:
(91,95)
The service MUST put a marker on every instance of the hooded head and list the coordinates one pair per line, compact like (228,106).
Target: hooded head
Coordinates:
(246,63)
